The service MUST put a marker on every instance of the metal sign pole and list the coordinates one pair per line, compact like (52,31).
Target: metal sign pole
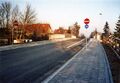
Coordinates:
(86,39)
(86,21)
(12,35)
(15,24)
(86,26)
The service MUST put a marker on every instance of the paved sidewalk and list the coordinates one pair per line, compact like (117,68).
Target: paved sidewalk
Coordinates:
(88,66)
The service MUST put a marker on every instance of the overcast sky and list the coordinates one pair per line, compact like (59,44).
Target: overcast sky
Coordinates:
(66,12)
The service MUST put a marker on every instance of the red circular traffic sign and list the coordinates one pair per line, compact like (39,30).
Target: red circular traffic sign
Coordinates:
(15,23)
(86,21)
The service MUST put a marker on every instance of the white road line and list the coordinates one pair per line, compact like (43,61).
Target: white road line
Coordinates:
(61,68)
(75,44)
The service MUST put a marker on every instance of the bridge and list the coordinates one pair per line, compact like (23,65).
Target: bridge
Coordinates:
(66,61)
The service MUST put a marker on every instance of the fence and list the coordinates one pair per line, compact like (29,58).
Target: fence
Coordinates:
(115,43)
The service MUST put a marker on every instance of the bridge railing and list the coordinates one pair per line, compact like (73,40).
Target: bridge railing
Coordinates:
(115,43)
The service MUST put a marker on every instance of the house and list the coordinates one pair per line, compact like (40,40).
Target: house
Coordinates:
(35,32)
(60,30)
(38,29)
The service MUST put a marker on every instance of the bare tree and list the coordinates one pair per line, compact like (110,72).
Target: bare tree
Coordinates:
(15,17)
(75,29)
(28,16)
(2,17)
(15,14)
(6,11)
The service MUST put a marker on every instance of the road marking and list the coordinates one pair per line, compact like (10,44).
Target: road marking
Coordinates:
(61,68)
(75,44)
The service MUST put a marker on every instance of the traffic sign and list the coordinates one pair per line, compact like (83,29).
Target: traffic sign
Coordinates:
(86,26)
(15,23)
(86,21)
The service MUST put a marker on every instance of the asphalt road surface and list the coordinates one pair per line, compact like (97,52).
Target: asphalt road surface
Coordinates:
(31,64)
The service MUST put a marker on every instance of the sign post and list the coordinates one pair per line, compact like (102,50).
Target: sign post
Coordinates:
(86,21)
(15,24)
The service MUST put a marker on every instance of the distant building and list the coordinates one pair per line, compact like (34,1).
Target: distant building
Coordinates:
(60,30)
(96,35)
(62,33)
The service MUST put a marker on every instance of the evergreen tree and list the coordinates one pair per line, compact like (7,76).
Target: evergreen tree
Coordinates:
(106,29)
(117,29)
(106,34)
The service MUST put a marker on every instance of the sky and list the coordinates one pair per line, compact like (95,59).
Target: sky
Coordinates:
(64,13)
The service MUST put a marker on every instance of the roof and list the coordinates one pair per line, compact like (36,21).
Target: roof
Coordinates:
(39,28)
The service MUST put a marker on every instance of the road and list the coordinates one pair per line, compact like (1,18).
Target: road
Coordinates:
(30,64)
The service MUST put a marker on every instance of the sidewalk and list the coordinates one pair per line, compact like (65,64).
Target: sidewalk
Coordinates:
(87,66)
(8,47)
